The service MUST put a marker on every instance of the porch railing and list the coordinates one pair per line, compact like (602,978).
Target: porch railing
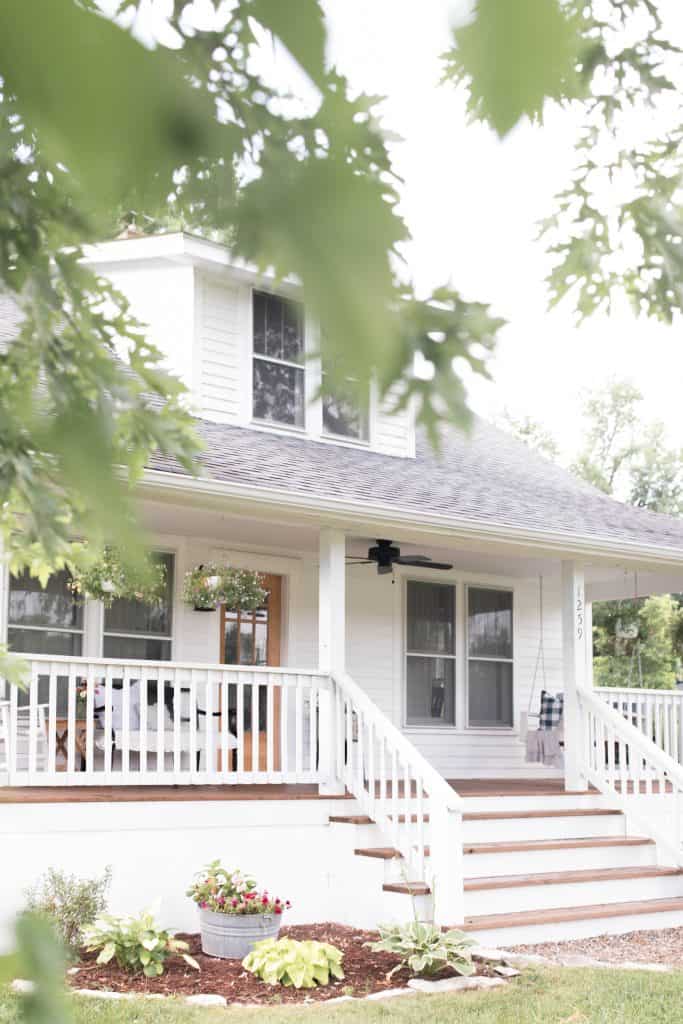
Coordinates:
(98,722)
(417,811)
(621,759)
(658,714)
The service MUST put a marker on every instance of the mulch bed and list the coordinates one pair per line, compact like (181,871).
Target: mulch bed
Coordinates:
(365,972)
(664,946)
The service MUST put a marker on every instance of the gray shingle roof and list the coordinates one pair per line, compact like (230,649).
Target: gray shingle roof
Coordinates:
(487,477)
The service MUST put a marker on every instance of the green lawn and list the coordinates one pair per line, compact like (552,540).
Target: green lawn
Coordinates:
(544,997)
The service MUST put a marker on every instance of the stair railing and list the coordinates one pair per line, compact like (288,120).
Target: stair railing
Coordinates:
(402,793)
(623,762)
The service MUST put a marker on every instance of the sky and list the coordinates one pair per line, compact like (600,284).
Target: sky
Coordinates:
(473,202)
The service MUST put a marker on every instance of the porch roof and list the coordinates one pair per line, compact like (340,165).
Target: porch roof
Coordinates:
(485,477)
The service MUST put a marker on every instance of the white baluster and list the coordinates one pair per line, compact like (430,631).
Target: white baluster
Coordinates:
(33,719)
(125,722)
(284,728)
(255,722)
(52,720)
(72,701)
(144,718)
(240,726)
(313,727)
(299,743)
(108,738)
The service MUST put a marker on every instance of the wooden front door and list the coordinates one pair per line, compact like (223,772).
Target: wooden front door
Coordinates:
(254,638)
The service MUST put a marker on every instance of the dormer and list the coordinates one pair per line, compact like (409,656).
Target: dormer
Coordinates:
(240,343)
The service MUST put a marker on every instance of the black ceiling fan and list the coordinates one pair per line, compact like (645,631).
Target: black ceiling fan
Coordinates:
(385,555)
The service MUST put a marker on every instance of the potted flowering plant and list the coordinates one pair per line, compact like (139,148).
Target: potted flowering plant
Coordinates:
(109,578)
(209,585)
(233,913)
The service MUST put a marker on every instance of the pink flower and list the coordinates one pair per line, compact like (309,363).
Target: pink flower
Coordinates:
(277,909)
(234,902)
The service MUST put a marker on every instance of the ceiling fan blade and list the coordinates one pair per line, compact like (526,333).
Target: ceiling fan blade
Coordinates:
(359,561)
(423,563)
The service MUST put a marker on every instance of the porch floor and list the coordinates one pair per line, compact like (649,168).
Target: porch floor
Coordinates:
(303,791)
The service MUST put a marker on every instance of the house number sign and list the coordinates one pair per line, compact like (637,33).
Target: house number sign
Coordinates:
(579,613)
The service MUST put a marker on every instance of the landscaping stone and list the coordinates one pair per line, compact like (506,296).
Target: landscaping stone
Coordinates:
(453,984)
(389,993)
(206,999)
(95,993)
(21,986)
(526,960)
(489,956)
(579,960)
(507,972)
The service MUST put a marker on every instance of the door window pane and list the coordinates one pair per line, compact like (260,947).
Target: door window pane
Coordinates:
(430,691)
(431,617)
(489,625)
(490,693)
(278,393)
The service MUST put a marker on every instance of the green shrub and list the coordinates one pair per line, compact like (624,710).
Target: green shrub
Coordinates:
(424,949)
(288,962)
(137,943)
(70,903)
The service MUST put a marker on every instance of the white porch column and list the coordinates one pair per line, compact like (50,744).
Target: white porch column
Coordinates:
(331,648)
(332,601)
(574,638)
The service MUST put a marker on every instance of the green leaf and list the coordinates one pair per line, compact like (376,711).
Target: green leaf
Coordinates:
(107,954)
(121,117)
(191,961)
(300,27)
(514,55)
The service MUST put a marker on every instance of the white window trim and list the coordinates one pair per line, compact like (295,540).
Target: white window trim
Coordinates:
(461,580)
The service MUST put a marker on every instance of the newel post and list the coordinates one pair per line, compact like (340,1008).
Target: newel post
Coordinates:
(331,648)
(445,855)
(575,637)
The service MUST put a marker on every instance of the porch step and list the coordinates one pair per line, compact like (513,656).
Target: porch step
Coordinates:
(572,812)
(555,844)
(407,888)
(380,852)
(350,819)
(529,926)
(567,877)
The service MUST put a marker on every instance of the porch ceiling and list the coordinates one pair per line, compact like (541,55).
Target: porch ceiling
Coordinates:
(605,577)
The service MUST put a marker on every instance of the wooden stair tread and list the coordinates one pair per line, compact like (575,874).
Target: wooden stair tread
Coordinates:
(350,819)
(407,888)
(524,845)
(571,812)
(557,916)
(565,877)
(379,852)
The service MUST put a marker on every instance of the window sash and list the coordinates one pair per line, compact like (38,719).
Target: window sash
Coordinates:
(448,656)
(362,433)
(490,659)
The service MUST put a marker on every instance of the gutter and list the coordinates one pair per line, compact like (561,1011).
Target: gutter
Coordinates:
(331,510)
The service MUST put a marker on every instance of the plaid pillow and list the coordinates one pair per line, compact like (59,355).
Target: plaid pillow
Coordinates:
(551,710)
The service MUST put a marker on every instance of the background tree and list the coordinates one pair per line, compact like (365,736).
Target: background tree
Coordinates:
(532,433)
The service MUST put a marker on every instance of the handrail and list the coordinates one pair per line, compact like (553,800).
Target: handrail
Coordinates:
(450,796)
(635,690)
(618,751)
(198,666)
(392,781)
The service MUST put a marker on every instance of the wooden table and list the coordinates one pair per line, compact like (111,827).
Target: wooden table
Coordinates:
(62,738)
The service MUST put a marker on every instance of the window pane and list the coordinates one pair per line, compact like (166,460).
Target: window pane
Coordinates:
(278,393)
(44,641)
(342,416)
(490,693)
(430,691)
(137,617)
(431,617)
(489,627)
(136,648)
(52,605)
(278,327)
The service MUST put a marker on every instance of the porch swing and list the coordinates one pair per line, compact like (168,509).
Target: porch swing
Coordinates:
(631,632)
(547,745)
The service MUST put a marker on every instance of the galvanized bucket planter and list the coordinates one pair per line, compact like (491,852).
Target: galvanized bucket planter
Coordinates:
(232,936)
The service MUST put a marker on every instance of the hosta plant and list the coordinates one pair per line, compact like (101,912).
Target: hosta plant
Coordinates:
(292,963)
(136,943)
(424,949)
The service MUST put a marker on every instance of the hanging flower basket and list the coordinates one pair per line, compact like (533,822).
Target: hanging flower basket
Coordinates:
(109,578)
(209,585)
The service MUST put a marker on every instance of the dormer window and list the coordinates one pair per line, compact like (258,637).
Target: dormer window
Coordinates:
(343,415)
(278,336)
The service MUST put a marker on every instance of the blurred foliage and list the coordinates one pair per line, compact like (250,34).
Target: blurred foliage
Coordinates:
(532,433)
(618,226)
(650,654)
(40,959)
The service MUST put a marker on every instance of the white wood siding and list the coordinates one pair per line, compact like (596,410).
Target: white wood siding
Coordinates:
(220,366)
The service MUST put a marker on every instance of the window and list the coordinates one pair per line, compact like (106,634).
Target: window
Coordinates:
(343,414)
(278,334)
(133,629)
(430,653)
(44,620)
(489,664)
